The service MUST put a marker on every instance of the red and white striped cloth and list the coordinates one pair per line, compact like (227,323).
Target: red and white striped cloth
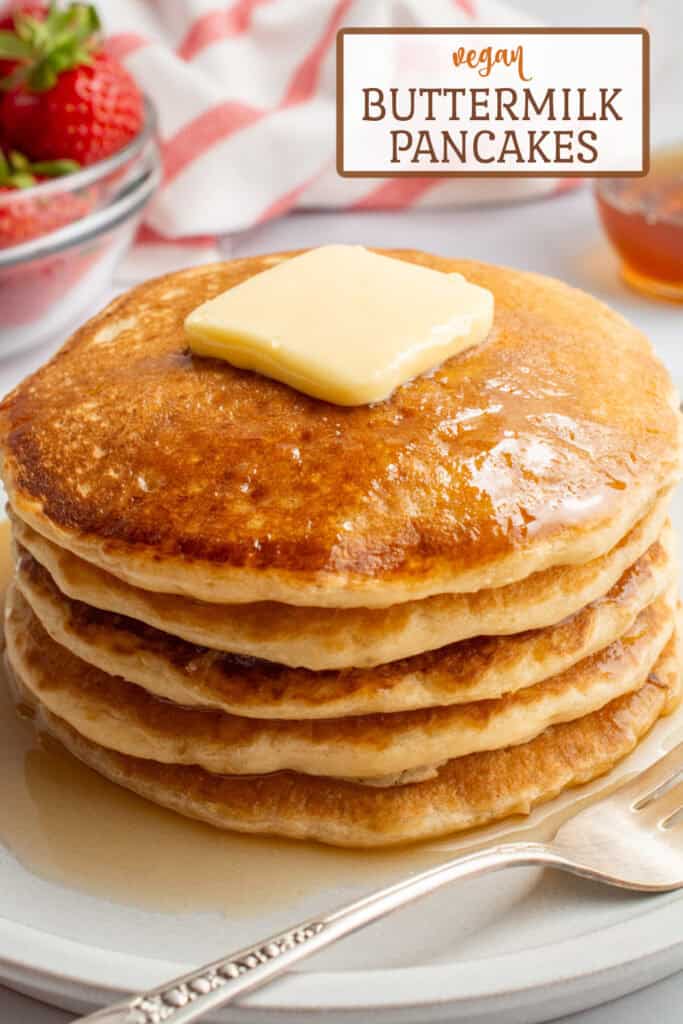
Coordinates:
(245,93)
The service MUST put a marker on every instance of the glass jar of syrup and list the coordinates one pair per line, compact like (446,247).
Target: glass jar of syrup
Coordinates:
(643,218)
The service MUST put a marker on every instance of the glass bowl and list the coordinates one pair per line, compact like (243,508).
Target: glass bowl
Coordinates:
(643,219)
(48,281)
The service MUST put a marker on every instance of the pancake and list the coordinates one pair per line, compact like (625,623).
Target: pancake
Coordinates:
(466,793)
(323,638)
(121,716)
(541,447)
(482,668)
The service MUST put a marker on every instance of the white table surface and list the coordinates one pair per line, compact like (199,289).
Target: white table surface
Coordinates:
(560,237)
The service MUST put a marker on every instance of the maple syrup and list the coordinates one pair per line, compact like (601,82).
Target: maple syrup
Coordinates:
(643,218)
(143,855)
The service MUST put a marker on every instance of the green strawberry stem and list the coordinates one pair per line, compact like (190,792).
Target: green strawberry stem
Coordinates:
(16,170)
(43,49)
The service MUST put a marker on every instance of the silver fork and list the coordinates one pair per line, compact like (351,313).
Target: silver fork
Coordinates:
(632,839)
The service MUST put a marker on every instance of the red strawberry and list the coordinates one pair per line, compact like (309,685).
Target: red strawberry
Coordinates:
(67,98)
(8,24)
(33,8)
(27,217)
(26,213)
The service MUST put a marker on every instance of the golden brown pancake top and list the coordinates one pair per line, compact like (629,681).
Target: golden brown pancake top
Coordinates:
(543,430)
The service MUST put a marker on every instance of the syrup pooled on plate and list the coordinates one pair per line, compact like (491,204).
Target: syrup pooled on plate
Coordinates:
(643,218)
(143,855)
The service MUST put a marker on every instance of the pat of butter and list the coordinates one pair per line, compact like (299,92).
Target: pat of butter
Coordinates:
(342,323)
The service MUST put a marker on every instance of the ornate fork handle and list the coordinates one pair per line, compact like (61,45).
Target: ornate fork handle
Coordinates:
(191,997)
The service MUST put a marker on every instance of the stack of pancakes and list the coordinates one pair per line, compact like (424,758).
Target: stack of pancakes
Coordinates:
(360,625)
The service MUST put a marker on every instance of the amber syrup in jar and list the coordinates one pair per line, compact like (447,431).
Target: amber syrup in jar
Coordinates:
(643,218)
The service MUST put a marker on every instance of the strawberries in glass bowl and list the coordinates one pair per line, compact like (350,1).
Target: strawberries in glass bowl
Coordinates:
(78,164)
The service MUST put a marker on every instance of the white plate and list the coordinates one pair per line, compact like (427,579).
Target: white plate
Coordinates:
(514,948)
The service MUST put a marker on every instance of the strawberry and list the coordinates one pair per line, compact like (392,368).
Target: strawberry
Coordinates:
(66,97)
(26,217)
(26,213)
(29,290)
(28,7)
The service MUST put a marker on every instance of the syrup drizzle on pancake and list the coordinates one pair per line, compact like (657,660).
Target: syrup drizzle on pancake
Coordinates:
(539,447)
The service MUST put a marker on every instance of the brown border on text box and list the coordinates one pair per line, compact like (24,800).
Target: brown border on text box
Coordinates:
(474,30)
